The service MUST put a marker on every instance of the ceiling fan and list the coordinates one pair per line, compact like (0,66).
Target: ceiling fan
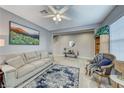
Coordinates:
(58,14)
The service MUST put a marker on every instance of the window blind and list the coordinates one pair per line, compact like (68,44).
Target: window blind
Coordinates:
(117,39)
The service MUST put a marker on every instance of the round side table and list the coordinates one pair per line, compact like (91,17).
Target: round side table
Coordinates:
(116,81)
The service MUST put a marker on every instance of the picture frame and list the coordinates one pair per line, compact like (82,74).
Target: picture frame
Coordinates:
(23,35)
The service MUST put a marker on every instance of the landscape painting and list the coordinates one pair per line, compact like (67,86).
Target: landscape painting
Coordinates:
(22,35)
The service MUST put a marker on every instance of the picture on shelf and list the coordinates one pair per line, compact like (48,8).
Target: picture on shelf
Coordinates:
(22,35)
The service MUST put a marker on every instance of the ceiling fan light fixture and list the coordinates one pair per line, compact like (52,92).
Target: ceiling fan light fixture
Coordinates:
(59,19)
(54,18)
(58,16)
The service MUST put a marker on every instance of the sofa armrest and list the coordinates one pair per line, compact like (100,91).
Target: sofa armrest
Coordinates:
(9,75)
(8,68)
(51,57)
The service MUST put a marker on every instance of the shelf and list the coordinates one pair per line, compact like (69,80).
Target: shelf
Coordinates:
(97,45)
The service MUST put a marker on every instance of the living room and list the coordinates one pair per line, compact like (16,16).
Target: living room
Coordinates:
(54,48)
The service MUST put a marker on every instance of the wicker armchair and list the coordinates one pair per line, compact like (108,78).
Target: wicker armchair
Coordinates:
(105,72)
(109,56)
(93,65)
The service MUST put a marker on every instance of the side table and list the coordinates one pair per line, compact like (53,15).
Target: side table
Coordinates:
(116,82)
(1,79)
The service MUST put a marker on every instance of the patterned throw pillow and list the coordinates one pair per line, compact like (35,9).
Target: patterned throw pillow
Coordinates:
(98,58)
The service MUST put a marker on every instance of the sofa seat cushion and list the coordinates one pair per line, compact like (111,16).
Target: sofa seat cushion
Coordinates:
(16,62)
(46,59)
(24,70)
(39,63)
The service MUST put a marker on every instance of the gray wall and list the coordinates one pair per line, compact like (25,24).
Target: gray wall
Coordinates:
(45,36)
(114,15)
(84,44)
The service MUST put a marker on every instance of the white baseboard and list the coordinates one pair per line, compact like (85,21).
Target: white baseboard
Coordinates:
(83,57)
(55,55)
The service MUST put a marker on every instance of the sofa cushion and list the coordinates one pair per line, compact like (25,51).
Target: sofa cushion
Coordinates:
(47,59)
(31,56)
(16,62)
(38,54)
(39,63)
(23,56)
(24,70)
(44,54)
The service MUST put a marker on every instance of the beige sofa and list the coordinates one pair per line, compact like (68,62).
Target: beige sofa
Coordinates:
(18,68)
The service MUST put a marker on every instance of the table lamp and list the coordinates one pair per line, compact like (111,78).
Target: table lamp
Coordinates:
(119,66)
(2,42)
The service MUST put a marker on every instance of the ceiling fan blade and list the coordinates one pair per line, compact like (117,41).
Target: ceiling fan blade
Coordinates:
(65,17)
(52,9)
(48,16)
(64,9)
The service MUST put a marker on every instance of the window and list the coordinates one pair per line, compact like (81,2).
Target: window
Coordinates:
(117,39)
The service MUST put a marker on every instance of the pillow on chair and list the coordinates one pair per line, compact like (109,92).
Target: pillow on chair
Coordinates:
(105,62)
(97,58)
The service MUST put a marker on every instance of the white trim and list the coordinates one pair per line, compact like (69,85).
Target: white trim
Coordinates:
(81,57)
(78,28)
(84,57)
(58,55)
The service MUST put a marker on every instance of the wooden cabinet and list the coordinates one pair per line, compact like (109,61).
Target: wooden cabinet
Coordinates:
(102,44)
(97,45)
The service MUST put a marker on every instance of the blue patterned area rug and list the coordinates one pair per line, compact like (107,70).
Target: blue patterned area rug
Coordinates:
(58,76)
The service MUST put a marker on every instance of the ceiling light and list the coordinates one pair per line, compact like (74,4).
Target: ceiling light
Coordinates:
(58,16)
(54,18)
(59,19)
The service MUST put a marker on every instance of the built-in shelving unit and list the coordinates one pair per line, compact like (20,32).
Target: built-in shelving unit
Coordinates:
(97,45)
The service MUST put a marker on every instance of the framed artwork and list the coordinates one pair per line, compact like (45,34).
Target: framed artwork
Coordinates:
(22,35)
(102,31)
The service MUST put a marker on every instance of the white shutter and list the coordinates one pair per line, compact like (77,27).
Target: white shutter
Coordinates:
(117,39)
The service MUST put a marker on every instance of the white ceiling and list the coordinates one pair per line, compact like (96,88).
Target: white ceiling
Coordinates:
(81,15)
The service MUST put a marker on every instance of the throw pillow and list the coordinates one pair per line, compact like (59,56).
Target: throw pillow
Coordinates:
(98,58)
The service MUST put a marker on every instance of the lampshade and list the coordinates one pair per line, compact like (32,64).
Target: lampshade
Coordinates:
(2,42)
